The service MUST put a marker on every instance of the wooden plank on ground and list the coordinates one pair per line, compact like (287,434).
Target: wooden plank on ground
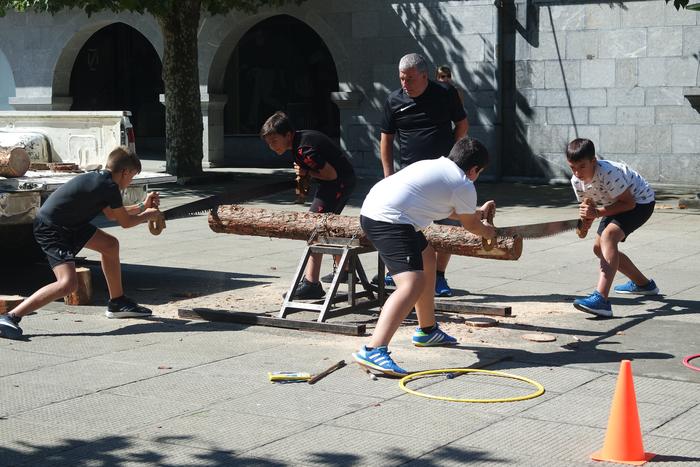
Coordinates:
(209,314)
(458,306)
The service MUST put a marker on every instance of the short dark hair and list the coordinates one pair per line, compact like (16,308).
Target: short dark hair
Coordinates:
(444,70)
(278,123)
(123,158)
(580,149)
(469,152)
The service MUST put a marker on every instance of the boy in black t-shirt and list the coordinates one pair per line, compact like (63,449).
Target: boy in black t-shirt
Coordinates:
(318,156)
(62,228)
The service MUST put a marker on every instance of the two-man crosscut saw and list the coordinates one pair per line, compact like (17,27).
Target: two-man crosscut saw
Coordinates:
(542,229)
(204,205)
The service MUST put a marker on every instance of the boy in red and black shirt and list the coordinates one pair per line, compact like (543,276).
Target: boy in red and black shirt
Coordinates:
(318,156)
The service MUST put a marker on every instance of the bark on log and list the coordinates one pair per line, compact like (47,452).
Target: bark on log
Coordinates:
(14,161)
(83,294)
(241,220)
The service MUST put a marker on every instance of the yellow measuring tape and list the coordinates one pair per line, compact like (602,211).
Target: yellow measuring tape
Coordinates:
(500,374)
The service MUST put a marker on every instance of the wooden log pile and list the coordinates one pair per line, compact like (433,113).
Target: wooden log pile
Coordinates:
(14,161)
(241,220)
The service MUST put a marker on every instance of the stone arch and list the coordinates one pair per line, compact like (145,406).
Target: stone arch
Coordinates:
(217,49)
(7,82)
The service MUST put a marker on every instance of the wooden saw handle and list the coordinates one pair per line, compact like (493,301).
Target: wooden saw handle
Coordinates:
(487,244)
(584,224)
(156,226)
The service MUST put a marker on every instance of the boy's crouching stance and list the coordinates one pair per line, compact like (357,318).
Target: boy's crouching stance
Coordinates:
(624,201)
(62,228)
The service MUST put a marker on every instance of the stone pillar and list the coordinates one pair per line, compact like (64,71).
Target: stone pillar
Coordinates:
(213,137)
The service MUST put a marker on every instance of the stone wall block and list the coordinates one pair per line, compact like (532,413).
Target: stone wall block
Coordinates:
(582,44)
(549,48)
(691,40)
(652,72)
(548,138)
(602,16)
(635,115)
(626,72)
(562,74)
(529,74)
(623,43)
(643,14)
(622,97)
(673,17)
(679,168)
(567,116)
(664,96)
(686,139)
(681,71)
(602,115)
(564,17)
(588,97)
(617,139)
(664,42)
(591,132)
(654,139)
(676,114)
(597,73)
(552,98)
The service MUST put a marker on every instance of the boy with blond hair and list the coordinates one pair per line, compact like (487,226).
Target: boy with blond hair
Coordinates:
(62,228)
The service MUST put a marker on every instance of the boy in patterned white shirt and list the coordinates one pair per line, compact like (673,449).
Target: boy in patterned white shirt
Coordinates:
(624,201)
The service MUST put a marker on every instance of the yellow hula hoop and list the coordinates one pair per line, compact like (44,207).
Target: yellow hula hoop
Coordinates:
(500,374)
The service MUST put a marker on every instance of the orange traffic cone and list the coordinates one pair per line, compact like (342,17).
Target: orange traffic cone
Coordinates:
(623,440)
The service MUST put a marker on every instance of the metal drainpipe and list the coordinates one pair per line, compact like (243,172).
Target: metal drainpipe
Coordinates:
(498,123)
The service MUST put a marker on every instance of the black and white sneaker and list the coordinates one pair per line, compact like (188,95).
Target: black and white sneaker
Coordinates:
(9,327)
(124,307)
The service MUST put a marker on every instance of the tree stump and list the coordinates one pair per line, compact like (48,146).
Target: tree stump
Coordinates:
(8,302)
(14,161)
(83,294)
(241,220)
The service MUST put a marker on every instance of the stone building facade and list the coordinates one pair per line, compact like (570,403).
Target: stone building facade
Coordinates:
(536,73)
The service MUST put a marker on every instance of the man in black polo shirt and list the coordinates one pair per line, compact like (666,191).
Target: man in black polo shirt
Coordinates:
(318,156)
(422,113)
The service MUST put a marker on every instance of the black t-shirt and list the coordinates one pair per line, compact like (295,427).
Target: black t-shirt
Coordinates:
(312,150)
(424,123)
(77,202)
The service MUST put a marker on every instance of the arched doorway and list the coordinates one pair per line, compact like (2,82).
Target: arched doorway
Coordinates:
(280,64)
(118,69)
(7,83)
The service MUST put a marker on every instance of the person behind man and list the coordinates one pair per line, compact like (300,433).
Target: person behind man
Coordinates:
(626,202)
(422,112)
(393,215)
(62,228)
(317,155)
(444,75)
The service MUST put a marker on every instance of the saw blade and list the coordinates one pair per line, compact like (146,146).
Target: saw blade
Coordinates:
(543,229)
(204,205)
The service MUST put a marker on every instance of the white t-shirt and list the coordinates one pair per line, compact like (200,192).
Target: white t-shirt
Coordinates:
(424,191)
(610,180)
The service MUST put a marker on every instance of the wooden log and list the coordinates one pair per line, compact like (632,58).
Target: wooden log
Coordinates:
(8,302)
(14,161)
(241,220)
(83,294)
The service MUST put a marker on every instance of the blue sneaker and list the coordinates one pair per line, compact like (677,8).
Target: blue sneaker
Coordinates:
(389,281)
(594,304)
(436,338)
(441,287)
(379,359)
(631,288)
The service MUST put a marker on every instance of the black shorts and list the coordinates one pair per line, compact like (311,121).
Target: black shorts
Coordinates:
(399,245)
(332,197)
(61,244)
(628,221)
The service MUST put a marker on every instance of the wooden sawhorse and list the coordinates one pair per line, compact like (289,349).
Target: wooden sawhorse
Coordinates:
(349,249)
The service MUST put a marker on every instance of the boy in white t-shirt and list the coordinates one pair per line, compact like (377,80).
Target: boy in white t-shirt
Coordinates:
(624,201)
(393,215)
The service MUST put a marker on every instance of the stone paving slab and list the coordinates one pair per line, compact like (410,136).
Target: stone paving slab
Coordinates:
(85,390)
